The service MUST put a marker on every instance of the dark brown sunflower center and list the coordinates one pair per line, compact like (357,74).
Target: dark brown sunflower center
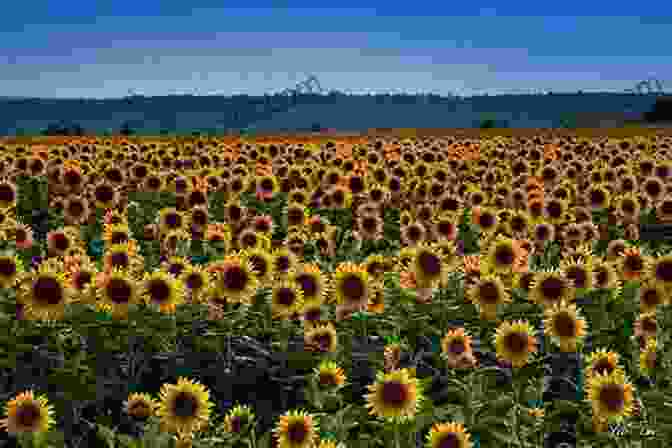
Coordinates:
(194,281)
(282,264)
(48,290)
(104,193)
(328,379)
(445,228)
(603,366)
(664,271)
(487,220)
(414,233)
(27,415)
(159,291)
(597,197)
(197,198)
(612,396)
(199,217)
(542,232)
(653,188)
(140,171)
(119,291)
(394,393)
(650,297)
(72,178)
(353,287)
(249,240)
(323,341)
(6,193)
(114,175)
(235,278)
(119,237)
(504,255)
(313,314)
(176,269)
(649,325)
(517,342)
(7,267)
(185,405)
(259,264)
(61,242)
(119,260)
(173,220)
(634,263)
(489,293)
(286,296)
(552,288)
(601,277)
(154,183)
(457,347)
(448,440)
(267,185)
(297,433)
(140,409)
(565,325)
(308,284)
(518,224)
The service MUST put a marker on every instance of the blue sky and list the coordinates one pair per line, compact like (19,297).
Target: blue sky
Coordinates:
(102,49)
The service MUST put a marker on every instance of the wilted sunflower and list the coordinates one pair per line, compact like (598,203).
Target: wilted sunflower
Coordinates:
(163,290)
(10,267)
(488,294)
(456,349)
(140,406)
(238,420)
(351,284)
(652,295)
(329,376)
(450,434)
(28,413)
(313,282)
(44,292)
(116,293)
(610,396)
(515,342)
(235,279)
(396,395)
(564,324)
(286,298)
(603,362)
(321,338)
(185,407)
(551,287)
(296,429)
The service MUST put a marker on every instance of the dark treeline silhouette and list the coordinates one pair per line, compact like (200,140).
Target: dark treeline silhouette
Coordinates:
(661,111)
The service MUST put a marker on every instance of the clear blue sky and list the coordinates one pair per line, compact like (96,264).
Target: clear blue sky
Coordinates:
(80,48)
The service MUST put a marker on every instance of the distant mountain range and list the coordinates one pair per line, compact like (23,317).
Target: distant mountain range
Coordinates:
(216,114)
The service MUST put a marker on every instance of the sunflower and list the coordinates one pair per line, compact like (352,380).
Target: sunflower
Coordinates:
(75,210)
(321,338)
(551,287)
(515,342)
(445,226)
(286,298)
(122,256)
(610,396)
(283,261)
(44,292)
(238,420)
(488,294)
(651,295)
(263,224)
(28,413)
(234,213)
(184,407)
(175,265)
(652,188)
(448,435)
(602,362)
(10,267)
(564,324)
(554,210)
(605,275)
(659,270)
(376,265)
(140,406)
(578,271)
(648,358)
(369,227)
(392,356)
(163,290)
(413,233)
(329,376)
(171,219)
(501,255)
(296,429)
(105,195)
(196,282)
(632,263)
(351,284)
(81,278)
(313,311)
(313,282)
(23,236)
(116,292)
(235,279)
(646,326)
(249,239)
(627,207)
(456,349)
(396,395)
(60,240)
(116,234)
(7,194)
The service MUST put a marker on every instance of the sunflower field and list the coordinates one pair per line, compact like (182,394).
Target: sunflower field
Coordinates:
(471,290)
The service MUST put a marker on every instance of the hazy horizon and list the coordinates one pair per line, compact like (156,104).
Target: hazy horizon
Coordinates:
(103,49)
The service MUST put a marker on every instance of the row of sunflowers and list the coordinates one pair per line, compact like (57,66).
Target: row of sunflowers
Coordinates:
(338,238)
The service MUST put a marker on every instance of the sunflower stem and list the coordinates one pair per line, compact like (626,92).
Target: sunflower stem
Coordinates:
(396,435)
(252,442)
